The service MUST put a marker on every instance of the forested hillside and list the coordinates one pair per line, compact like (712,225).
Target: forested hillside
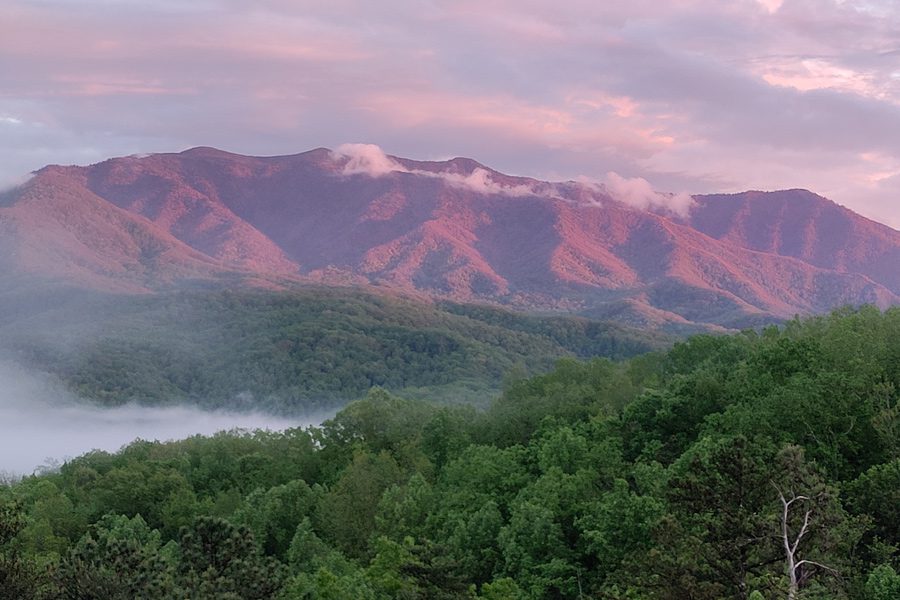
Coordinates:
(292,351)
(699,473)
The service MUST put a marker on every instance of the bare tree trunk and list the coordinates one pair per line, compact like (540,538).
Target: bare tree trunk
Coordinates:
(790,549)
(791,546)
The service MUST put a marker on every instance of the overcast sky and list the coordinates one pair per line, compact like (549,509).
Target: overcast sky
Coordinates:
(693,95)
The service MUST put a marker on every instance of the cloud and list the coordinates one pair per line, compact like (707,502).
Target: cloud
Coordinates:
(41,423)
(12,182)
(638,192)
(366,159)
(480,181)
(690,94)
(371,160)
(771,6)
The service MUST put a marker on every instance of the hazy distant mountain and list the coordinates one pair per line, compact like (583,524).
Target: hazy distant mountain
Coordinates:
(452,229)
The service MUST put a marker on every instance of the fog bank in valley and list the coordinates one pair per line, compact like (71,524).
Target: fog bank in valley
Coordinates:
(40,423)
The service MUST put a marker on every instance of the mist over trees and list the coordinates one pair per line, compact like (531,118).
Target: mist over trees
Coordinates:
(290,352)
(755,465)
(42,423)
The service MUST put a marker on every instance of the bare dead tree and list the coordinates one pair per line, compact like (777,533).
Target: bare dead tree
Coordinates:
(799,571)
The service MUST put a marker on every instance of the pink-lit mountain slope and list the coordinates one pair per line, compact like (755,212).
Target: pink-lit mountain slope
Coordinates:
(452,229)
(801,224)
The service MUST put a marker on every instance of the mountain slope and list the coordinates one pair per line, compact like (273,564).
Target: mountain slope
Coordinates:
(458,230)
(61,230)
(804,225)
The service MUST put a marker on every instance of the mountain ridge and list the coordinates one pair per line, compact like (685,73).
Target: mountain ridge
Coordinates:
(452,229)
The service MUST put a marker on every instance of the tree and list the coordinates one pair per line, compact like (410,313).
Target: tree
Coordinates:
(876,494)
(798,571)
(324,584)
(535,551)
(619,525)
(814,531)
(221,560)
(883,583)
(18,577)
(119,559)
(403,509)
(719,497)
(274,514)
(347,511)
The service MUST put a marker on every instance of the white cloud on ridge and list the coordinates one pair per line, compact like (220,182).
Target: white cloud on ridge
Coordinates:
(481,182)
(371,160)
(15,182)
(367,159)
(638,192)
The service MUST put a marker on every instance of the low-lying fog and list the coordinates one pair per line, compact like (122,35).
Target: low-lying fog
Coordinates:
(41,424)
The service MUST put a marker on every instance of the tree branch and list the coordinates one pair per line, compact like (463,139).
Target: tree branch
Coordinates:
(817,564)
(803,530)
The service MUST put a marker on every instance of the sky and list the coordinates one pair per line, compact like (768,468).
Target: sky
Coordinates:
(694,96)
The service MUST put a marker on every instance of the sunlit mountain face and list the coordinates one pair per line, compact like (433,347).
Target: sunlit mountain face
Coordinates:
(454,229)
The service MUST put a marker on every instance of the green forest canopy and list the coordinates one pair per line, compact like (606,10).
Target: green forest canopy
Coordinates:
(295,351)
(672,475)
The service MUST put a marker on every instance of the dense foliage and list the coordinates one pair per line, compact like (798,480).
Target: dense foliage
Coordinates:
(674,475)
(295,351)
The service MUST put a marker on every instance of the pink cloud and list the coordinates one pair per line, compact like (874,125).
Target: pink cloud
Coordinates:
(693,94)
(111,85)
(575,123)
(771,6)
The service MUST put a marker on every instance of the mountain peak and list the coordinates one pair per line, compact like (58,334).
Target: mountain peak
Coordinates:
(455,166)
(443,228)
(205,151)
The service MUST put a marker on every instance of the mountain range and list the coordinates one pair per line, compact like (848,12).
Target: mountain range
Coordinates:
(451,229)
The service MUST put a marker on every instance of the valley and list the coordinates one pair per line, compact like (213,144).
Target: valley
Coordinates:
(485,300)
(342,374)
(599,479)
